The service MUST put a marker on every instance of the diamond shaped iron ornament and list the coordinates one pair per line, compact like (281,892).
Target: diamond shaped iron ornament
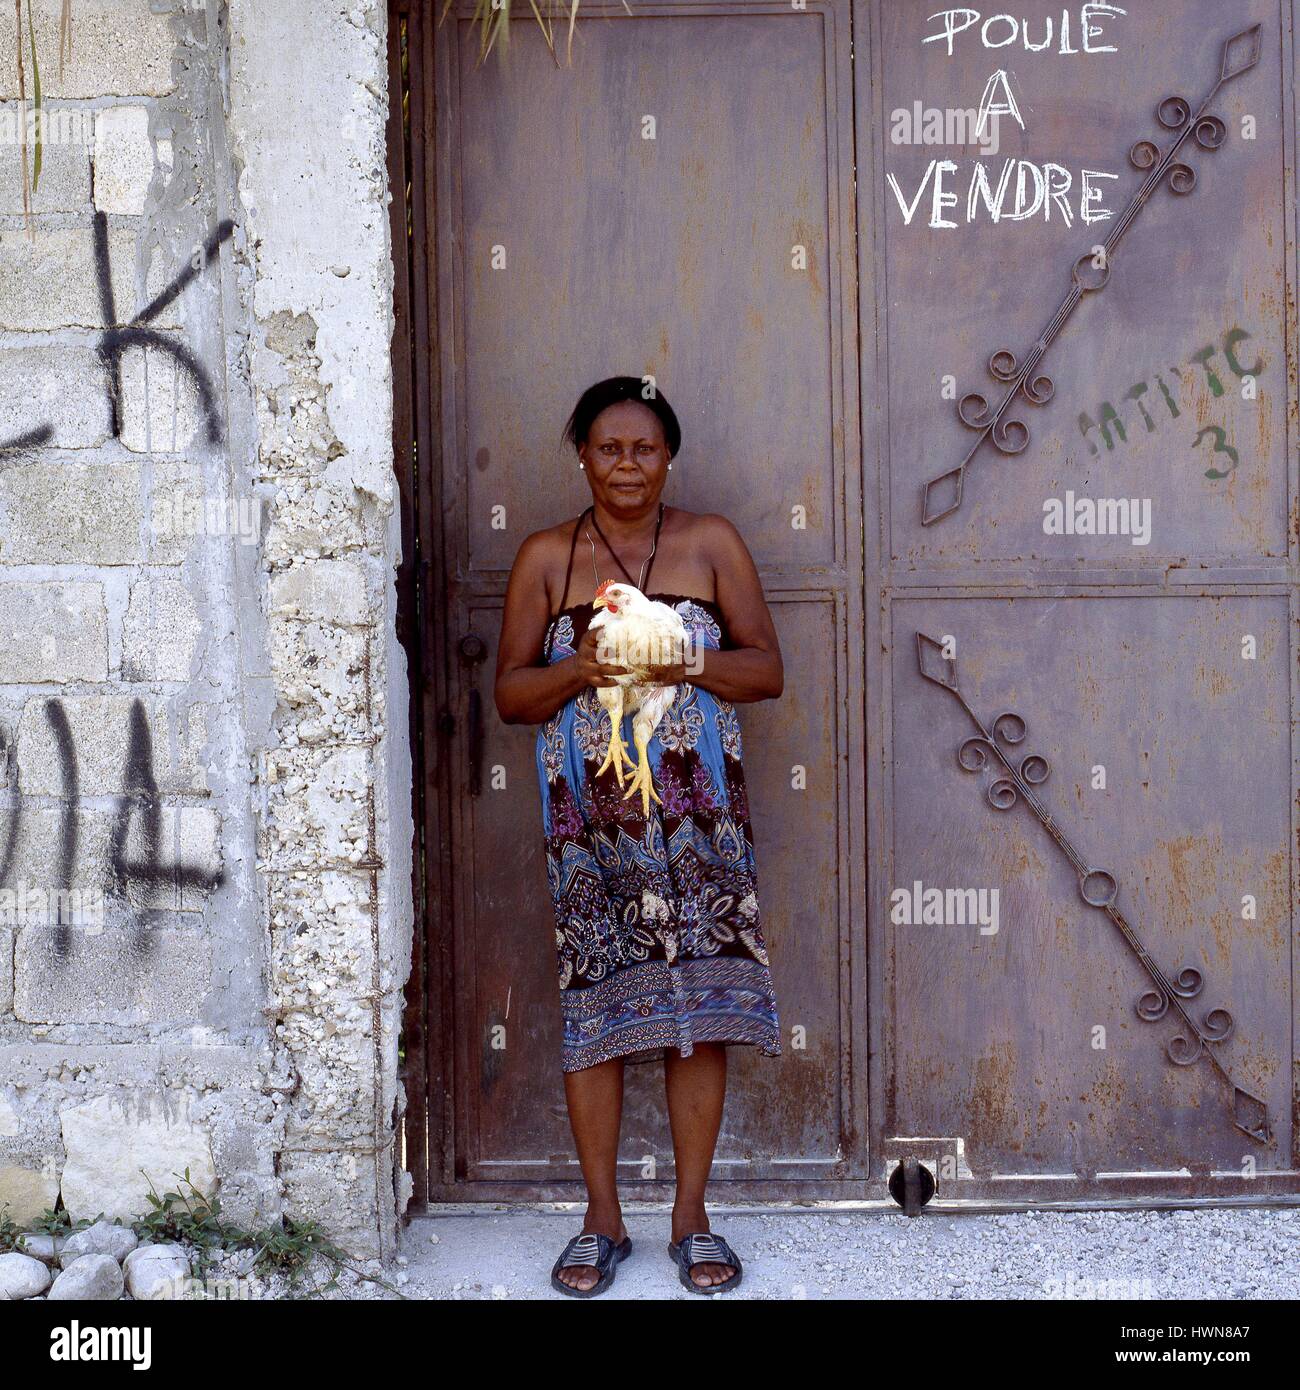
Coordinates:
(942,495)
(1015,778)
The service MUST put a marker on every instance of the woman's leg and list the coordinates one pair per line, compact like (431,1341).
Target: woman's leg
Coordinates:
(595,1097)
(697,1087)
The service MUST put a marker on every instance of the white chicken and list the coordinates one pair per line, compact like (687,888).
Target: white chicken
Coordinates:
(640,635)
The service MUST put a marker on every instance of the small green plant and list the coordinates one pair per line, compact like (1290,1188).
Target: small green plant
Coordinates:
(289,1248)
(58,1223)
(9,1233)
(186,1214)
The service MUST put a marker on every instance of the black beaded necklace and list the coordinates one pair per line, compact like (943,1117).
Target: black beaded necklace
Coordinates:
(646,567)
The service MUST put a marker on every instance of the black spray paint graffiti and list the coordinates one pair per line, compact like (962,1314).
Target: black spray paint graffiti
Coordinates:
(116,339)
(140,786)
(67,750)
(1111,423)
(140,795)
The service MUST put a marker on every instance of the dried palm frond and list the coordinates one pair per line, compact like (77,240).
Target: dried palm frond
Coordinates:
(65,34)
(33,162)
(37,123)
(22,116)
(493,19)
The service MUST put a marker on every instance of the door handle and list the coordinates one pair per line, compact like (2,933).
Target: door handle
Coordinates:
(472,650)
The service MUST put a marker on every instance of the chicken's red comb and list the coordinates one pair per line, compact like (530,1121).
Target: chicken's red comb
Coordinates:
(607,584)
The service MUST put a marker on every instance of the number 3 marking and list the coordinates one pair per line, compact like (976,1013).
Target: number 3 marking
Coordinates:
(1221,446)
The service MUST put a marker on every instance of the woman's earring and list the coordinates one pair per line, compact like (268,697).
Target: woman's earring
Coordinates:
(670,468)
(582,467)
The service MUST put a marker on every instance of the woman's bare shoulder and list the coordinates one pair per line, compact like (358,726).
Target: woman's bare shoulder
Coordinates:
(702,525)
(709,532)
(544,546)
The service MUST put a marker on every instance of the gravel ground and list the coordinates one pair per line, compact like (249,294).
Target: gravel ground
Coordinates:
(792,1254)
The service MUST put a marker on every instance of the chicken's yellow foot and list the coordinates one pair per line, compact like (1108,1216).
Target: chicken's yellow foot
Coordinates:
(617,754)
(641,779)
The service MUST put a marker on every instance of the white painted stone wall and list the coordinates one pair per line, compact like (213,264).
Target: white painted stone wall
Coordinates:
(205,916)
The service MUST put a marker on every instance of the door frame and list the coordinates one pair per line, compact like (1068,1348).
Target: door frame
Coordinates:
(424,352)
(426,345)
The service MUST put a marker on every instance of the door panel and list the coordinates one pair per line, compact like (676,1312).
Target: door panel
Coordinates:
(996,1031)
(792,1120)
(1017,1062)
(1146,369)
(669,256)
(717,257)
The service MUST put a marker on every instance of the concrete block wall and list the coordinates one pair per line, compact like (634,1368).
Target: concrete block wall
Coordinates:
(204,785)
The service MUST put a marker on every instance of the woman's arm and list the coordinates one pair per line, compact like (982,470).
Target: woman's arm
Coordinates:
(751,668)
(527,693)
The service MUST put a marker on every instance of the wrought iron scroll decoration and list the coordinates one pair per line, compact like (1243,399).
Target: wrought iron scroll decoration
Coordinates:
(1097,887)
(942,495)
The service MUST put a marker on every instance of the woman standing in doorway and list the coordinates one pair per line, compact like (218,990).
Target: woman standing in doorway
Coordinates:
(661,951)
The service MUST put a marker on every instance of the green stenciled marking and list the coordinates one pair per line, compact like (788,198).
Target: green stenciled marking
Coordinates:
(1110,422)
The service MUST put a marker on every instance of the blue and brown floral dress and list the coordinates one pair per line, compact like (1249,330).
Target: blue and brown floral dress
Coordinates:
(656,920)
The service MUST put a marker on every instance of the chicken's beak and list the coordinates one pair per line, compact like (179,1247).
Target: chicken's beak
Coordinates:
(600,602)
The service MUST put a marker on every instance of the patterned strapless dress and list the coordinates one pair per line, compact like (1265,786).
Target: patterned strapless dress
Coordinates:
(656,920)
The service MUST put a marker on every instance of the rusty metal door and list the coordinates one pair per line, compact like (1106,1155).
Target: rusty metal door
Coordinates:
(1080,349)
(1038,609)
(696,161)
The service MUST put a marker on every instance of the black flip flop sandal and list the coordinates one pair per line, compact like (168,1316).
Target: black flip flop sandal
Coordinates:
(704,1248)
(601,1253)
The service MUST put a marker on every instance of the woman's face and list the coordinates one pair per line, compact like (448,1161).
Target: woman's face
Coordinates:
(626,458)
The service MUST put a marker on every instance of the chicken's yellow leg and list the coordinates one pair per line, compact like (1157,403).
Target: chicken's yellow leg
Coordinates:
(616,755)
(641,779)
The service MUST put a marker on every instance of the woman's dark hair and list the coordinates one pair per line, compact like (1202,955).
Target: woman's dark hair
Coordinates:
(612,391)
